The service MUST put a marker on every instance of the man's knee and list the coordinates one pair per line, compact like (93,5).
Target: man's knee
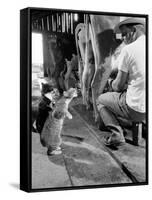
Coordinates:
(100,106)
(102,99)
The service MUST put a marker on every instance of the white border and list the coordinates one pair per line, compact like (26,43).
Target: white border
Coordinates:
(9,101)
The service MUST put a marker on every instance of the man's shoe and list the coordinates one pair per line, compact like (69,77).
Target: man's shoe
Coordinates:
(114,140)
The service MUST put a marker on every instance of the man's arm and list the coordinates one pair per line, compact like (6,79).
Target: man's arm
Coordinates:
(119,84)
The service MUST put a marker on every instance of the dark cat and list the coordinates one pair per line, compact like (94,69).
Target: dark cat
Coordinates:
(51,133)
(47,102)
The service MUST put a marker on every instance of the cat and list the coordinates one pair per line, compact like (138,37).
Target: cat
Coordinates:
(49,95)
(51,133)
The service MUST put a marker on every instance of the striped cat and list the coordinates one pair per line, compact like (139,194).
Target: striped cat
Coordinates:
(51,132)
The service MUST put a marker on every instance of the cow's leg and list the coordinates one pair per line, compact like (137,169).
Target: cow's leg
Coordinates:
(56,76)
(66,77)
(84,83)
(94,84)
(88,72)
(84,79)
(80,61)
(66,84)
(87,65)
(80,46)
(91,71)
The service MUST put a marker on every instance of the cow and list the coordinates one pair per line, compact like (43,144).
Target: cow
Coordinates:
(80,47)
(96,69)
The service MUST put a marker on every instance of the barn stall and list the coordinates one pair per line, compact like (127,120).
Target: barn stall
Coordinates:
(70,49)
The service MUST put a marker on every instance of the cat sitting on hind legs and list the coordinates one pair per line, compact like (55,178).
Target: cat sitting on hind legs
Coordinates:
(49,96)
(51,132)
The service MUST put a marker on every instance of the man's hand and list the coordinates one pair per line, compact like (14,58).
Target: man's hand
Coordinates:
(114,73)
(110,80)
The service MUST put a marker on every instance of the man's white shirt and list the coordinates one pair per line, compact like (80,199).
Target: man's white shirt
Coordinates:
(132,61)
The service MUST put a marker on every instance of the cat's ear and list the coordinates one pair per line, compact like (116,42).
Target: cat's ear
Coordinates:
(41,85)
(49,96)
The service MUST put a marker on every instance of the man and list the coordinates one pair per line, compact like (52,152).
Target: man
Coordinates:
(125,102)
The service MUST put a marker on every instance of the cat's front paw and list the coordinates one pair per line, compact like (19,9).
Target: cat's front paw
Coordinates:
(69,115)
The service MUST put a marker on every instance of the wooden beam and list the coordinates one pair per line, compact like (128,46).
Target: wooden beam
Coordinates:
(48,24)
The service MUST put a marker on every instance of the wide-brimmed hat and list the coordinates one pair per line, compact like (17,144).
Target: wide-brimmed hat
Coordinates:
(131,21)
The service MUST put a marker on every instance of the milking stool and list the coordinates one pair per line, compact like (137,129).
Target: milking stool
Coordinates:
(137,135)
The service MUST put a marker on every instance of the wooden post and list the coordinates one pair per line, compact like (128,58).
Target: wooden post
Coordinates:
(69,19)
(57,22)
(64,22)
(71,23)
(52,23)
(45,55)
(60,27)
(48,25)
(42,24)
(67,22)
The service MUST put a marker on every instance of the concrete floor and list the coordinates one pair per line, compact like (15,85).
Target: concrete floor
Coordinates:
(84,160)
(132,157)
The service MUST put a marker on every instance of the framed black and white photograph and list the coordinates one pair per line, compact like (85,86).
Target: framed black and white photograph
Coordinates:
(83,99)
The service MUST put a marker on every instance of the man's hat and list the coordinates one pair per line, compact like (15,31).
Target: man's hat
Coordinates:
(129,21)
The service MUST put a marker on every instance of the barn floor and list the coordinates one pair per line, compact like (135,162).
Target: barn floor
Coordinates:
(84,160)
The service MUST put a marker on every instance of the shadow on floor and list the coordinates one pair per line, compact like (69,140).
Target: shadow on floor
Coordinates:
(83,160)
